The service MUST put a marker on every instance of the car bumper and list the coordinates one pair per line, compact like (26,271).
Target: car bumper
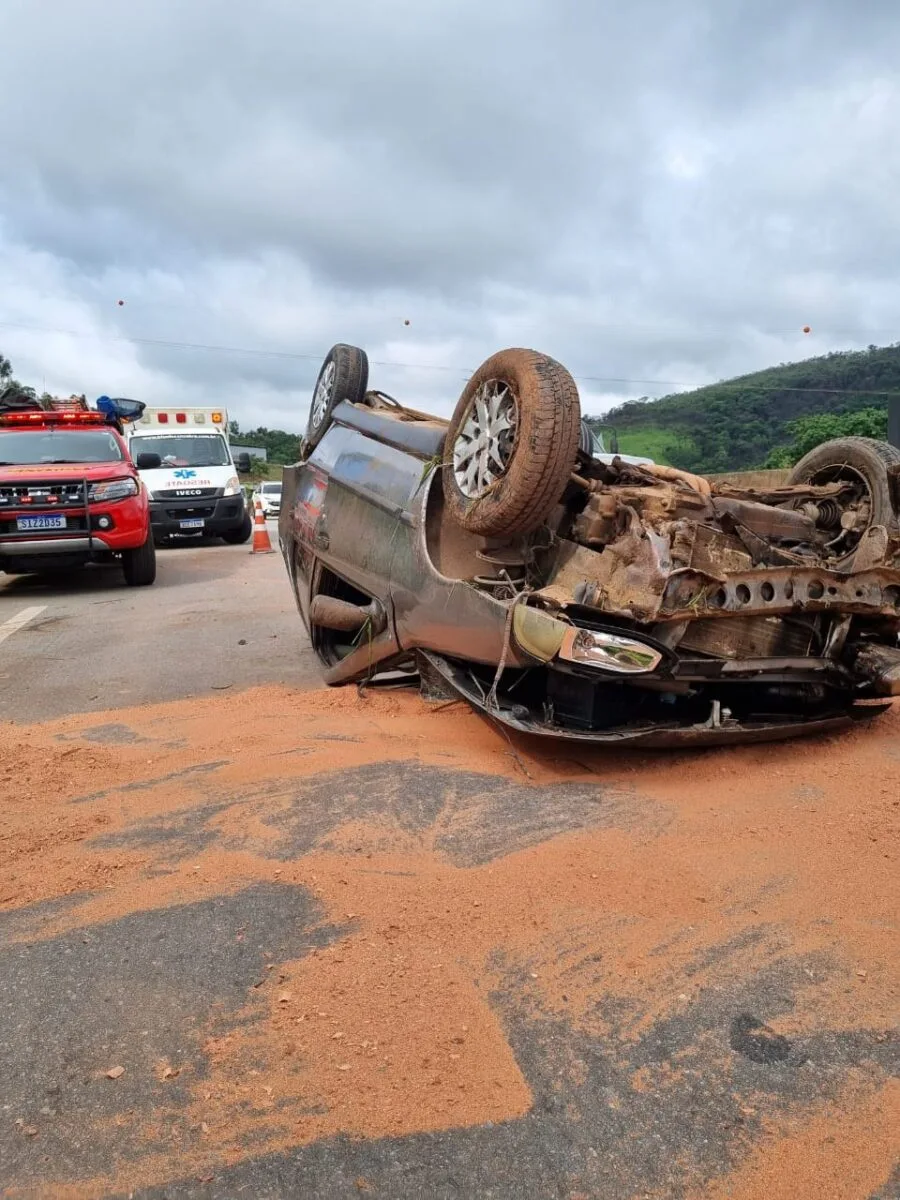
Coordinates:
(114,527)
(217,514)
(40,554)
(440,674)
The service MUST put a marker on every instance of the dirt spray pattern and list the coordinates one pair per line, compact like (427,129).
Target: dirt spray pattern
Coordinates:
(306,918)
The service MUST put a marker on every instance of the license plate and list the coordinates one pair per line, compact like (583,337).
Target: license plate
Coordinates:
(55,521)
(193,523)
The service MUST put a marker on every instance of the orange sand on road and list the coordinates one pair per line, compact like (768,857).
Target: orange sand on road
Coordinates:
(781,851)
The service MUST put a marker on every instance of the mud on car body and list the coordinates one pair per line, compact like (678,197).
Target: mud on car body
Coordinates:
(497,558)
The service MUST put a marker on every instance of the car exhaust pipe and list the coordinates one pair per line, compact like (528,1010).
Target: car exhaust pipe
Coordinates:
(330,613)
(879,666)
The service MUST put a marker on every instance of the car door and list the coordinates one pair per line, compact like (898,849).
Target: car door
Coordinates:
(348,505)
(303,497)
(370,485)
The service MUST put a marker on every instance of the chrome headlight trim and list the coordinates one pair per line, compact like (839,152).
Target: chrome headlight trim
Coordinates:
(609,652)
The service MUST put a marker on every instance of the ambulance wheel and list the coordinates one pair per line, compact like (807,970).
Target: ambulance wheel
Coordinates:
(237,537)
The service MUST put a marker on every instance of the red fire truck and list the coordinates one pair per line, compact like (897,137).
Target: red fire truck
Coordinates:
(70,495)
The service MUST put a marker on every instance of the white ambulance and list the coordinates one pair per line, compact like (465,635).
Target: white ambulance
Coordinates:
(184,458)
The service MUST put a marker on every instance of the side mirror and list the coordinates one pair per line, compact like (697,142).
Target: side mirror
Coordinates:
(242,463)
(148,462)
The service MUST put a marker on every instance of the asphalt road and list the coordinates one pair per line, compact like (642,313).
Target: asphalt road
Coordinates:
(264,939)
(217,618)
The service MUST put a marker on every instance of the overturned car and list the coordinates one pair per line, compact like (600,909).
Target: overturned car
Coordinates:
(500,558)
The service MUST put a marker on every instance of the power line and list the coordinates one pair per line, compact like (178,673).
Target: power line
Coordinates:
(171,305)
(464,371)
(175,345)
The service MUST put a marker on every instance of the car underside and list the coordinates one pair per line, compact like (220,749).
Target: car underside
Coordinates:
(585,597)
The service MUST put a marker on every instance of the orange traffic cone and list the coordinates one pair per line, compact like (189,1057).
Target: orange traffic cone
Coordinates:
(261,543)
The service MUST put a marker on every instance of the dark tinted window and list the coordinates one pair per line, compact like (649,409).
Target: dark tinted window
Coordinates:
(59,445)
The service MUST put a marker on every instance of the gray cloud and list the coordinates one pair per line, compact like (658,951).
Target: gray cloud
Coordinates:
(649,192)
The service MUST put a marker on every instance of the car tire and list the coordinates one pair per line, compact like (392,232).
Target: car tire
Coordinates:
(237,537)
(862,460)
(518,480)
(139,565)
(344,376)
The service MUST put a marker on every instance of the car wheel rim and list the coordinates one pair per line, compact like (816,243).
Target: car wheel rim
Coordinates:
(485,443)
(322,394)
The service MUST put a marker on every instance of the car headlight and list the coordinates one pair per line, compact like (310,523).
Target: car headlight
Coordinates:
(232,487)
(539,634)
(544,637)
(113,489)
(624,655)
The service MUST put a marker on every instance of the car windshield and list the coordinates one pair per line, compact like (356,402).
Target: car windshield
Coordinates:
(204,451)
(272,489)
(59,446)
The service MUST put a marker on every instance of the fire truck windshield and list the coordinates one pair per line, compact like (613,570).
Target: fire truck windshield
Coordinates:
(26,446)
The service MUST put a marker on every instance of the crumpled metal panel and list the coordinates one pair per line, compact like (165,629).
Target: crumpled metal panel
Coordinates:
(637,577)
(649,736)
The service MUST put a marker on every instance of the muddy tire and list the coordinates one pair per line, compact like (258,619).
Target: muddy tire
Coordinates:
(344,376)
(511,444)
(139,565)
(865,463)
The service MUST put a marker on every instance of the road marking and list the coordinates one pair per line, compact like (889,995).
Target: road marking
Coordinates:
(14,623)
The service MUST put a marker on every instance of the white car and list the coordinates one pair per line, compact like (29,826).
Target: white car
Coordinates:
(270,496)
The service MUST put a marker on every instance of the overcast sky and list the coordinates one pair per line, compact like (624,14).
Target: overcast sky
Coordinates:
(649,191)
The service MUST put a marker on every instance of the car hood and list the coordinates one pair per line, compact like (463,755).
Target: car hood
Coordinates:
(43,471)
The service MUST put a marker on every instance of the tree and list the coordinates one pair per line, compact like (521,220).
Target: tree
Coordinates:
(8,380)
(734,425)
(809,432)
(280,446)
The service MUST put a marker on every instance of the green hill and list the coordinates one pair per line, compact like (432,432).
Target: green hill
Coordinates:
(738,423)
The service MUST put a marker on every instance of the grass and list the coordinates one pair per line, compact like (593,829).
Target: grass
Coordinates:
(266,473)
(662,445)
